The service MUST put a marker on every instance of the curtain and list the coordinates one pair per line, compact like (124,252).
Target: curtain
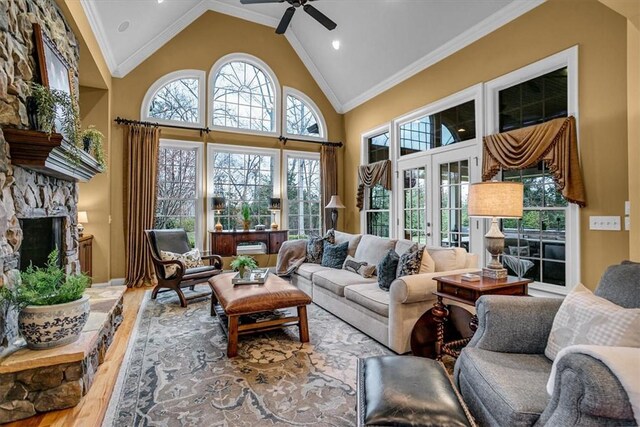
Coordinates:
(141,169)
(553,142)
(372,174)
(328,179)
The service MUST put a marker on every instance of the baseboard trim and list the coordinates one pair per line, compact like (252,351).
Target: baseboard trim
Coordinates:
(117,281)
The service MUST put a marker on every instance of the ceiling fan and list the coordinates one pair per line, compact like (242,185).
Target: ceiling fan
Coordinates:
(288,14)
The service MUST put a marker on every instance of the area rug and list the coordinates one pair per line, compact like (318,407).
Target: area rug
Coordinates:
(176,372)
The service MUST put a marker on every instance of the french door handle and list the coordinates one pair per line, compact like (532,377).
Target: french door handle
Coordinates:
(428,234)
(428,224)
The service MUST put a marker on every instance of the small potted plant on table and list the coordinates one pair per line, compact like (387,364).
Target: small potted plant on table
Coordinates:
(52,306)
(243,264)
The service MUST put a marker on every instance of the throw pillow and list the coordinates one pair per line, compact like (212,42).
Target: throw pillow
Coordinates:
(315,247)
(333,255)
(427,264)
(190,259)
(584,318)
(360,267)
(387,269)
(409,262)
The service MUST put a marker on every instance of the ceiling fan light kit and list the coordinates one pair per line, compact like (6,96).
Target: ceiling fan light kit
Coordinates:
(288,14)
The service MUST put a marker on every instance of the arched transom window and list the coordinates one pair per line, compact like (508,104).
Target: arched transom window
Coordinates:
(244,95)
(302,117)
(177,97)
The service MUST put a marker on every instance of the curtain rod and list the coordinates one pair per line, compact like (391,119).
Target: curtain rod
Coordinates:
(119,120)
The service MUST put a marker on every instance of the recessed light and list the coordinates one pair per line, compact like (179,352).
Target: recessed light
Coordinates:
(123,26)
(160,1)
(462,130)
(336,44)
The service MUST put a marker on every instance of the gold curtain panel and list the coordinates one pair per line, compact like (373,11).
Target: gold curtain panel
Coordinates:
(370,175)
(553,142)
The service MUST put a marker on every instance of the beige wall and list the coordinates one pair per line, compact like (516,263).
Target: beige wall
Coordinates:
(633,105)
(199,46)
(552,27)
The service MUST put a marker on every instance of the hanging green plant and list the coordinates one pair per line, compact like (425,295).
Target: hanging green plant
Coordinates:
(92,143)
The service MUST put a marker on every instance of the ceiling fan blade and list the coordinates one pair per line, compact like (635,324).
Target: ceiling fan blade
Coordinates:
(260,1)
(286,19)
(320,17)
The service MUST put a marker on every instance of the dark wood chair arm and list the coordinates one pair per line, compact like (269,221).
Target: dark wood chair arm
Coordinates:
(161,264)
(215,260)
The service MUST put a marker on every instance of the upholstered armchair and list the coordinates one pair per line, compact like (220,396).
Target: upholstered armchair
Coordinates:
(503,372)
(176,241)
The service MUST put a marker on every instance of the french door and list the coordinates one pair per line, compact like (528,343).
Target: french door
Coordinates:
(433,197)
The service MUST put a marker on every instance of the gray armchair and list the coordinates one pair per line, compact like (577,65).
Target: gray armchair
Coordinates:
(503,372)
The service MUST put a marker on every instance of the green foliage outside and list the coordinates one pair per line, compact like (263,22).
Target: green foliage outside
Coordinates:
(45,286)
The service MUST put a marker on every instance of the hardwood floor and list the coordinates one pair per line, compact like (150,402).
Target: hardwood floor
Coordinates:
(91,410)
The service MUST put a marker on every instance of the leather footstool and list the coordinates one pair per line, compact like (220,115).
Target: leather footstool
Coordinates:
(407,391)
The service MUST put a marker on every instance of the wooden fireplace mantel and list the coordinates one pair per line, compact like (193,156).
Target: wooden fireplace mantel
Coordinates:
(49,155)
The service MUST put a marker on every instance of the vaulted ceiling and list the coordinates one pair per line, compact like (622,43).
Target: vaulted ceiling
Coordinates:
(382,42)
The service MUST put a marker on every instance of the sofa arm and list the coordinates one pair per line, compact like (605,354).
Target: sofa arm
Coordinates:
(512,324)
(419,287)
(586,393)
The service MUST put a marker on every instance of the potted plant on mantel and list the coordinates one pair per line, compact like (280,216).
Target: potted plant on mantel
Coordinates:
(52,306)
(243,264)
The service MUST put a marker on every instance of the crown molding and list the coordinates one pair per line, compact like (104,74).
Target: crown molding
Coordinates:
(98,31)
(486,26)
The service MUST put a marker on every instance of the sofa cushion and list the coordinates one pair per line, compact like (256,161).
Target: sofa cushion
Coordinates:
(371,249)
(308,269)
(513,385)
(369,296)
(353,239)
(403,245)
(447,259)
(336,280)
(584,318)
(334,255)
(620,284)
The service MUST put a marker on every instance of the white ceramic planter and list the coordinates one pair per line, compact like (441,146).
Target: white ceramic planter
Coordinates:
(48,326)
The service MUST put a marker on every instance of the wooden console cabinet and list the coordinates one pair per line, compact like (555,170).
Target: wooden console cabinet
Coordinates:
(85,253)
(225,243)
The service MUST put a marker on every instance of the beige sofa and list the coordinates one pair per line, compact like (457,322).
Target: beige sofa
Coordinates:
(388,317)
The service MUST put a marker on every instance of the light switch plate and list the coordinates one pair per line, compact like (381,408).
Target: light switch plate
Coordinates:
(627,223)
(608,223)
(627,207)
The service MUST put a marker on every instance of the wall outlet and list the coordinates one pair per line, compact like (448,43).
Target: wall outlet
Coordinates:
(627,223)
(608,223)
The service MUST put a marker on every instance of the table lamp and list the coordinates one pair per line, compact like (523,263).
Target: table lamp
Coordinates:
(217,204)
(495,200)
(334,204)
(82,219)
(274,206)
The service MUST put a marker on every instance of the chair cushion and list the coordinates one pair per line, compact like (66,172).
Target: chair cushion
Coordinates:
(584,318)
(190,259)
(620,284)
(371,249)
(336,280)
(407,391)
(353,239)
(508,387)
(200,272)
(369,296)
(308,269)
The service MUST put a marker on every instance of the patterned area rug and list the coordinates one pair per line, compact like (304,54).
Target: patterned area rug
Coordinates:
(177,372)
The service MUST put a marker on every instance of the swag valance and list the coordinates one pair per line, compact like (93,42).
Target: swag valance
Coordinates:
(553,142)
(370,175)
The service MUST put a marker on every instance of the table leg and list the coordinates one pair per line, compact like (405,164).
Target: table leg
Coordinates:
(232,339)
(302,323)
(473,324)
(440,314)
(214,301)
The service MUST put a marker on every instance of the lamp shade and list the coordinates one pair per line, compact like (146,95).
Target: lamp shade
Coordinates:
(82,217)
(217,203)
(274,204)
(335,203)
(496,199)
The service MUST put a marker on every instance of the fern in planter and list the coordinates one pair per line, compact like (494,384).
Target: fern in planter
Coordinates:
(92,139)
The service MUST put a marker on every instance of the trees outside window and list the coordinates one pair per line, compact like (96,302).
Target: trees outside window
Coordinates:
(377,199)
(176,98)
(304,212)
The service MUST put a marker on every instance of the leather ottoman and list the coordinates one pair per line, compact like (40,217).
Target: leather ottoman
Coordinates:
(407,391)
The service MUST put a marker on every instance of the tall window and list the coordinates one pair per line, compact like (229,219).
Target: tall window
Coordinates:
(244,97)
(177,194)
(303,196)
(243,175)
(444,128)
(414,194)
(177,97)
(301,116)
(535,246)
(454,197)
(376,209)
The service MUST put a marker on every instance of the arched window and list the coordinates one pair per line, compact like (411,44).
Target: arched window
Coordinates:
(301,116)
(177,97)
(244,95)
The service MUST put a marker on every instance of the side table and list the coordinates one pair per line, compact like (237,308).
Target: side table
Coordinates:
(467,292)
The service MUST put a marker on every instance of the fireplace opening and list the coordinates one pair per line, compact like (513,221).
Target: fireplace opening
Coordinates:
(40,237)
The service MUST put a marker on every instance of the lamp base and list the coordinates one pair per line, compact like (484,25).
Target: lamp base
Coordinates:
(494,273)
(218,227)
(274,226)
(80,229)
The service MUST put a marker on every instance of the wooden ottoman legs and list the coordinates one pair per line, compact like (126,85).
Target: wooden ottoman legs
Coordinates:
(302,323)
